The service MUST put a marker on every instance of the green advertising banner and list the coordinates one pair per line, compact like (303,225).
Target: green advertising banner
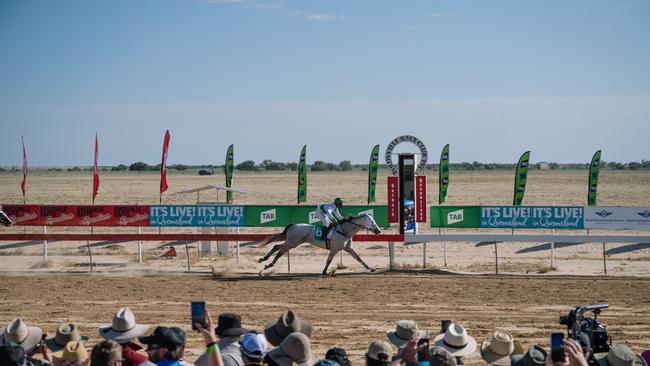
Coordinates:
(455,216)
(230,164)
(443,175)
(268,215)
(372,173)
(594,171)
(520,178)
(508,217)
(280,216)
(302,175)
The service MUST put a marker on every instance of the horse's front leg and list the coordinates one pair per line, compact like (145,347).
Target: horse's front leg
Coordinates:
(329,260)
(353,253)
(281,252)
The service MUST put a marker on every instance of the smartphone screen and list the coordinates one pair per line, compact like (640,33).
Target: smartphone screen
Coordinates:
(198,314)
(557,347)
(423,349)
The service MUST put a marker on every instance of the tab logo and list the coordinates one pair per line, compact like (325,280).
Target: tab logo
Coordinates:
(313,218)
(455,217)
(267,216)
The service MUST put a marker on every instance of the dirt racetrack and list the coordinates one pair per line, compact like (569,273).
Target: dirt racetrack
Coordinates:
(348,310)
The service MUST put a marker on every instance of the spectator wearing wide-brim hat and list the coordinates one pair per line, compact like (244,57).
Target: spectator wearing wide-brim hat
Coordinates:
(619,355)
(287,323)
(65,333)
(498,349)
(123,330)
(456,340)
(295,350)
(229,330)
(405,330)
(73,353)
(18,332)
(535,356)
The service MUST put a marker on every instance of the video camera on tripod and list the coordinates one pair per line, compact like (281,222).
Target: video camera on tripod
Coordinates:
(577,323)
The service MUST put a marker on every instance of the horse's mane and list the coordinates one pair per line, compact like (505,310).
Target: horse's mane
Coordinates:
(350,218)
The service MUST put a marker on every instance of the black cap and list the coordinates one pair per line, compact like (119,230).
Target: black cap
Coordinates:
(181,333)
(12,354)
(336,352)
(229,325)
(164,337)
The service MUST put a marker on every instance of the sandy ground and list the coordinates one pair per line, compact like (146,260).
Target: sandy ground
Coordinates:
(353,308)
(348,310)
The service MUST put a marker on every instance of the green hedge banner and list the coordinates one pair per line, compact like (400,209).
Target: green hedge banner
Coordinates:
(521,175)
(508,217)
(594,170)
(455,216)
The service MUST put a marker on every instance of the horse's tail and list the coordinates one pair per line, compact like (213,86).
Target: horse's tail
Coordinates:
(274,237)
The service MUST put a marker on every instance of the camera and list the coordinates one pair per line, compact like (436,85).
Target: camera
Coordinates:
(577,324)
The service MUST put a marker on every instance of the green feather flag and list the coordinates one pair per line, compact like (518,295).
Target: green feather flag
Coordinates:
(230,164)
(520,178)
(302,175)
(373,166)
(594,171)
(443,175)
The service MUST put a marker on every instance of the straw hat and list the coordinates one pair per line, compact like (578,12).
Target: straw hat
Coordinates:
(123,328)
(288,323)
(295,350)
(18,332)
(456,341)
(404,332)
(72,351)
(619,355)
(498,350)
(64,333)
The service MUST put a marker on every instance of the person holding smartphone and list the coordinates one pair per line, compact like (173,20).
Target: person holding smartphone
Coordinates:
(213,355)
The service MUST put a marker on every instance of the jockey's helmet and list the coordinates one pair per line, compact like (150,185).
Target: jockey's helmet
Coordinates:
(338,201)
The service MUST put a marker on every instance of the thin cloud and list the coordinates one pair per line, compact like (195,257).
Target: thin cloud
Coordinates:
(264,7)
(324,17)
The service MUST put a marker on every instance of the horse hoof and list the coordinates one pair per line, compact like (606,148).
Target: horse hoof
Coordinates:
(260,260)
(372,270)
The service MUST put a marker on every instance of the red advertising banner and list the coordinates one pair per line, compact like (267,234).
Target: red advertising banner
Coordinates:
(70,215)
(421,198)
(393,200)
(22,214)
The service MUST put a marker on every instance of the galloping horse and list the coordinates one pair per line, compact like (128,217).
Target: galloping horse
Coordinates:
(296,234)
(4,219)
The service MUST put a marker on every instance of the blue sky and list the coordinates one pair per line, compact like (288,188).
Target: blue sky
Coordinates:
(491,77)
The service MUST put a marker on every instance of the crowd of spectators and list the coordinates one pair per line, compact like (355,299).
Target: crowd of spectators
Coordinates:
(284,342)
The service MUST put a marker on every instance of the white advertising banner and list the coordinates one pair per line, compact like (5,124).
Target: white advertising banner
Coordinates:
(617,218)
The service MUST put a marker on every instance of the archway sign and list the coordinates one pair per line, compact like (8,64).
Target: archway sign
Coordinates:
(407,190)
(406,138)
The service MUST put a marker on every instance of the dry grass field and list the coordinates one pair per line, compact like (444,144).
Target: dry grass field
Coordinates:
(353,308)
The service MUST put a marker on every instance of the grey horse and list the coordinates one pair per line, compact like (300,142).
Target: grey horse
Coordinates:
(296,234)
(4,219)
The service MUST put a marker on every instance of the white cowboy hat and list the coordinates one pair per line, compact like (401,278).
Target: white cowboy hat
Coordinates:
(456,341)
(404,332)
(123,328)
(498,350)
(18,332)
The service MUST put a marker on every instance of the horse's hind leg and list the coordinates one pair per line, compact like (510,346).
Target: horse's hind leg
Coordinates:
(354,255)
(281,252)
(268,255)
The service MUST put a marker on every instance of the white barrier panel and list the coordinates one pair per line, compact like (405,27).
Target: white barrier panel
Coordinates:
(617,218)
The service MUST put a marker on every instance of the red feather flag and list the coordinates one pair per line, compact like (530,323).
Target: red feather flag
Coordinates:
(163,167)
(96,170)
(23,185)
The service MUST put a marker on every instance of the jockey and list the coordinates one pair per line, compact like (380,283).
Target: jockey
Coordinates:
(329,214)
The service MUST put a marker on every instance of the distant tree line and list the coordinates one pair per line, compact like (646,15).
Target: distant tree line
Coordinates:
(343,166)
